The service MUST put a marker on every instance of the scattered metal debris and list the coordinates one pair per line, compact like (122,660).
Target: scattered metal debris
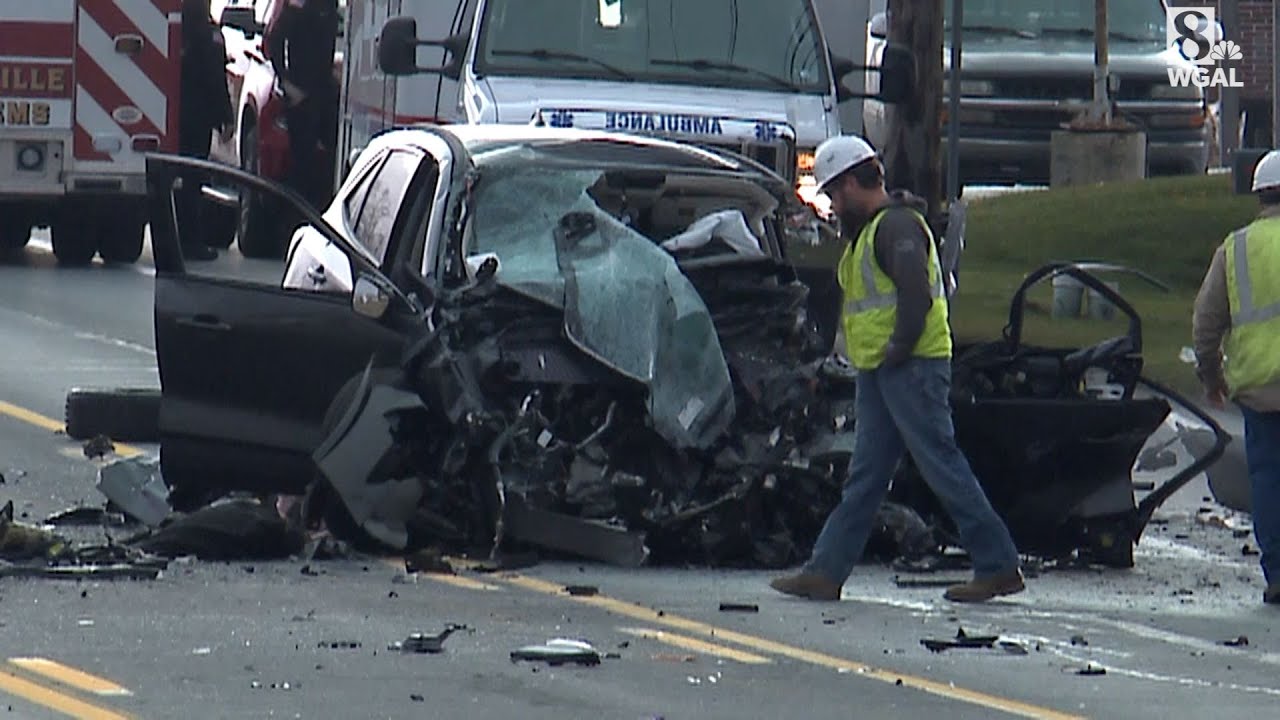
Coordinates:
(340,644)
(558,652)
(428,560)
(136,487)
(428,644)
(20,541)
(739,607)
(1091,669)
(1079,641)
(98,446)
(1239,641)
(962,640)
(582,590)
(86,516)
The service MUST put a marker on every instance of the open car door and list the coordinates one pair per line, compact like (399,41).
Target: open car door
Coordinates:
(249,368)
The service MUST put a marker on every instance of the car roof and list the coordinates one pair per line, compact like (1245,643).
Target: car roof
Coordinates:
(476,136)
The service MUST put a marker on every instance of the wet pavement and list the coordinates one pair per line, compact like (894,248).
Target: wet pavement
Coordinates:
(298,639)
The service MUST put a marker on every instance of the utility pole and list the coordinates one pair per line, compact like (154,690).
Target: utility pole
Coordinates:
(913,151)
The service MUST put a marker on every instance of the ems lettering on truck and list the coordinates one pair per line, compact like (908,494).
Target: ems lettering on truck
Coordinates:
(30,93)
(663,123)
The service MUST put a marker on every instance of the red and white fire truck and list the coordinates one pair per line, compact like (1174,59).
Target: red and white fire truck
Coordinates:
(87,88)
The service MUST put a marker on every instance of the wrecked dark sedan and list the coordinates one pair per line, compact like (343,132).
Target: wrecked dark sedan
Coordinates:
(556,325)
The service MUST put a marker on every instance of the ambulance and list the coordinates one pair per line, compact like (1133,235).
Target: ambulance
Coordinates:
(87,88)
(754,76)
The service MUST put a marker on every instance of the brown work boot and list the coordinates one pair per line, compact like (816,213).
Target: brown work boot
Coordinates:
(807,585)
(983,589)
(1271,595)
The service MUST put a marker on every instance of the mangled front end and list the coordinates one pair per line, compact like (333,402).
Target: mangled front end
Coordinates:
(592,391)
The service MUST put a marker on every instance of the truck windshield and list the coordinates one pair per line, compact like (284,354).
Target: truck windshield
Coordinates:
(745,44)
(1137,20)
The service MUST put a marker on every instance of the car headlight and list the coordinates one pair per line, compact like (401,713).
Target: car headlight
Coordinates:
(1162,91)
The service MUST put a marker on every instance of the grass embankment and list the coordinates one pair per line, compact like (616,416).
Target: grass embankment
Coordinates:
(1166,227)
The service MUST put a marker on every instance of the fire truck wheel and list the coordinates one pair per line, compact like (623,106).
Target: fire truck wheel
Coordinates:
(127,415)
(73,242)
(122,236)
(14,236)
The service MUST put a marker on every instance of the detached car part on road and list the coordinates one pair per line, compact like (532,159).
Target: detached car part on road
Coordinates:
(584,341)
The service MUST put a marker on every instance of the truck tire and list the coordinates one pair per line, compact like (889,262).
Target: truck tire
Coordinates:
(128,415)
(74,243)
(122,233)
(259,233)
(14,235)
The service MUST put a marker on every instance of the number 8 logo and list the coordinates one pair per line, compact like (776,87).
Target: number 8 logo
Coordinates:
(1194,34)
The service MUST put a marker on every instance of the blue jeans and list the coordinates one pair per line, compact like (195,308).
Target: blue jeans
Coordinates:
(908,408)
(1262,451)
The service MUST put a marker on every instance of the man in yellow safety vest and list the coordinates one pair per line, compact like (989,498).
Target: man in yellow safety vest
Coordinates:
(898,337)
(1237,315)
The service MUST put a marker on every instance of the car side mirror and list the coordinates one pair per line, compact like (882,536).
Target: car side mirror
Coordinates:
(370,298)
(240,18)
(880,26)
(398,49)
(897,74)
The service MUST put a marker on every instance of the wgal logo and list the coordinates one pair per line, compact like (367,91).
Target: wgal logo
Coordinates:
(1195,33)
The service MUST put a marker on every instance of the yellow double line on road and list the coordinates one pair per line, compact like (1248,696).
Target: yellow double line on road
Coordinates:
(54,699)
(47,423)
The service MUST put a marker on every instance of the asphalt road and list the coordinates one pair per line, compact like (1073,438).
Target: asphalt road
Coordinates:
(270,640)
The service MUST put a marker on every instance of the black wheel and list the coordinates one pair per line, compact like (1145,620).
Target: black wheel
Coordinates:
(122,233)
(14,234)
(74,243)
(128,415)
(221,223)
(259,232)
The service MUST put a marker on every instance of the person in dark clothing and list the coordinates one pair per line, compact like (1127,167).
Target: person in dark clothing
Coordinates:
(204,106)
(301,41)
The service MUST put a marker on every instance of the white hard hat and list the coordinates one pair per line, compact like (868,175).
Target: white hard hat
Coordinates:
(838,154)
(1266,174)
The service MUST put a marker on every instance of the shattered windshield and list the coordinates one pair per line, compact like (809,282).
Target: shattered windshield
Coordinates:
(751,44)
(576,229)
(1138,20)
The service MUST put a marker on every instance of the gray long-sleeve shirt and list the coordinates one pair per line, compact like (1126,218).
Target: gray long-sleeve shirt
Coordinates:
(902,251)
(1210,325)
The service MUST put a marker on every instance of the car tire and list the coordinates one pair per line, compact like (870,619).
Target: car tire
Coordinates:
(221,225)
(122,234)
(260,235)
(128,415)
(74,243)
(14,235)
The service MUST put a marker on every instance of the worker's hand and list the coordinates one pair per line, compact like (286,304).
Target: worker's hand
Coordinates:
(896,355)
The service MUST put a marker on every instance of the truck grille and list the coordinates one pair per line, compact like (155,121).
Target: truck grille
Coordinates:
(1066,89)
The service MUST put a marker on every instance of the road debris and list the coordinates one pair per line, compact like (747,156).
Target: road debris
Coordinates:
(135,486)
(962,640)
(427,644)
(739,607)
(340,645)
(21,541)
(559,651)
(1239,641)
(582,590)
(87,516)
(229,529)
(1079,641)
(1091,669)
(98,446)
(428,560)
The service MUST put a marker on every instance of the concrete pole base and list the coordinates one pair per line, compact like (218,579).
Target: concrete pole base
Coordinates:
(1096,156)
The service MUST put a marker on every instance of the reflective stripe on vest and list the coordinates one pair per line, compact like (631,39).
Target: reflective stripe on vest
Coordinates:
(1252,348)
(876,299)
(1246,313)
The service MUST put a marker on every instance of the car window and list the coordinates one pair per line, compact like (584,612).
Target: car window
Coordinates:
(354,203)
(383,202)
